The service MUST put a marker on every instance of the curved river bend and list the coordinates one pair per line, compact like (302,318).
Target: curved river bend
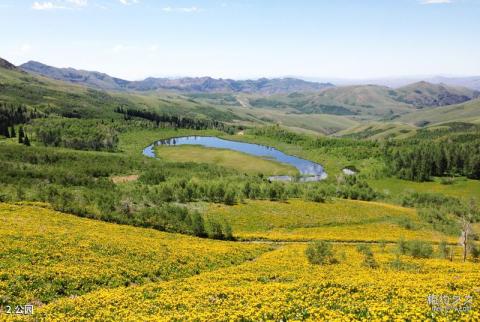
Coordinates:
(310,171)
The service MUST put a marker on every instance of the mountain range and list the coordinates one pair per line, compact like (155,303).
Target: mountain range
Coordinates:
(184,85)
(296,104)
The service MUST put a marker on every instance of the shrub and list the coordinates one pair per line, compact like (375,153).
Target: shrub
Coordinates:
(230,196)
(216,231)
(399,265)
(443,249)
(369,259)
(407,223)
(320,253)
(198,226)
(475,251)
(415,248)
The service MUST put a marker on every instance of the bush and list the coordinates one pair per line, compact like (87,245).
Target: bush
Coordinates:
(443,250)
(415,248)
(407,223)
(475,251)
(198,226)
(369,259)
(320,253)
(399,265)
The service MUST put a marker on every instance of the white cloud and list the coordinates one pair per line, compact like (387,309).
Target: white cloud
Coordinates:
(435,1)
(52,5)
(118,48)
(153,48)
(46,5)
(78,3)
(181,9)
(128,2)
(25,48)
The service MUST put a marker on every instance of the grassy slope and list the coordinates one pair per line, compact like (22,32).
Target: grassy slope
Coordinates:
(464,188)
(465,112)
(132,142)
(58,97)
(379,131)
(319,124)
(227,158)
(47,254)
(333,163)
(340,220)
(282,285)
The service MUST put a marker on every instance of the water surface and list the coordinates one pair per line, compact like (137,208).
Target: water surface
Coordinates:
(310,171)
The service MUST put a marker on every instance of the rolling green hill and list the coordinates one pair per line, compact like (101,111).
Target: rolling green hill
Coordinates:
(423,94)
(465,112)
(70,100)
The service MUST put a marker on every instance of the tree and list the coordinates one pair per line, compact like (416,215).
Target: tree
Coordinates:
(26,141)
(12,132)
(465,235)
(216,230)
(230,196)
(198,225)
(21,135)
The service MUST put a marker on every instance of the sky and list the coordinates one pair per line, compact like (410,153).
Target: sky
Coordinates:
(355,39)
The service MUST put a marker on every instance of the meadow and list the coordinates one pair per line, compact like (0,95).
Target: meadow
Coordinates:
(283,285)
(336,220)
(242,162)
(47,255)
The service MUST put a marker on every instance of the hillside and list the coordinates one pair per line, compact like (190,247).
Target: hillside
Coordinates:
(93,79)
(57,97)
(7,65)
(465,112)
(368,101)
(285,101)
(185,85)
(95,255)
(423,94)
(112,272)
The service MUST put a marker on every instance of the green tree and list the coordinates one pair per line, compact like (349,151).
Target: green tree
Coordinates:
(21,134)
(26,141)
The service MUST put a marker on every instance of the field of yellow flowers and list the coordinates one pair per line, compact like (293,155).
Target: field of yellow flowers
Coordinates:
(338,220)
(281,285)
(45,255)
(76,269)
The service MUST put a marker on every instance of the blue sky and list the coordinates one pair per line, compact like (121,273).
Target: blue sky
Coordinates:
(133,39)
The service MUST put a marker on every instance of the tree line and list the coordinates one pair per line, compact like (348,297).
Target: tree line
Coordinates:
(12,115)
(175,121)
(421,160)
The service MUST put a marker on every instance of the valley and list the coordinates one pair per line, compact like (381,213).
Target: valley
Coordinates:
(94,229)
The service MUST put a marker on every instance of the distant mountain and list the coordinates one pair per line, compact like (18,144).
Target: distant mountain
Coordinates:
(472,82)
(88,78)
(464,112)
(212,85)
(7,65)
(423,94)
(369,100)
(185,85)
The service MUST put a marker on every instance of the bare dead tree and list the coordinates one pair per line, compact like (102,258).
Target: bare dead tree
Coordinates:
(464,236)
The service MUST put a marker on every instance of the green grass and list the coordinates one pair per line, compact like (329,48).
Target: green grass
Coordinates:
(134,141)
(461,187)
(379,131)
(332,160)
(465,112)
(339,220)
(231,159)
